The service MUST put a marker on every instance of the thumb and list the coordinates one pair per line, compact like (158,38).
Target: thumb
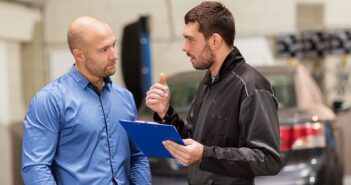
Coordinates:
(187,141)
(163,80)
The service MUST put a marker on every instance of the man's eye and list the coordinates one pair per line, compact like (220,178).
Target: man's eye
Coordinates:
(104,50)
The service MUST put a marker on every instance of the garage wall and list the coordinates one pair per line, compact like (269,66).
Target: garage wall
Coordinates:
(17,22)
(254,18)
(33,47)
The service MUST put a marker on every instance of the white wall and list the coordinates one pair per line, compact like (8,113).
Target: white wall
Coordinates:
(4,94)
(11,106)
(254,19)
(338,14)
(60,61)
(17,23)
(11,94)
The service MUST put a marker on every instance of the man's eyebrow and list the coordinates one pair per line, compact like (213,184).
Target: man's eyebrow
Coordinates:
(187,36)
(109,44)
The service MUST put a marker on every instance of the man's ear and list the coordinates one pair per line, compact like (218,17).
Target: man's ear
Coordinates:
(78,55)
(216,41)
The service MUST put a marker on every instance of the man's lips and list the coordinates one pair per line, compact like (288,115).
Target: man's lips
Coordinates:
(112,64)
(190,56)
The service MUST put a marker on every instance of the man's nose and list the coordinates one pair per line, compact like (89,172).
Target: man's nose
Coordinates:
(114,55)
(185,47)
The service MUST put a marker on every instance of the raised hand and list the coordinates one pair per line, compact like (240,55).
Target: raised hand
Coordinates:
(157,98)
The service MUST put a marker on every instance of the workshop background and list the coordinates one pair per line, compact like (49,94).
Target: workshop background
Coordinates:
(33,51)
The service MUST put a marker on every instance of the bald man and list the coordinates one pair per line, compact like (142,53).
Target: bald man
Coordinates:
(71,129)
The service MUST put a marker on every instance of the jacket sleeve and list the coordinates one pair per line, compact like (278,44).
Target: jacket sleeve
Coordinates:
(184,128)
(259,154)
(41,130)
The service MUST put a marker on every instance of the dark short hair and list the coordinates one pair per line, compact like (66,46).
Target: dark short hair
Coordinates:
(213,17)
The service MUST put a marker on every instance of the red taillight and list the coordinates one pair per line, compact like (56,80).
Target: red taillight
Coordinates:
(302,136)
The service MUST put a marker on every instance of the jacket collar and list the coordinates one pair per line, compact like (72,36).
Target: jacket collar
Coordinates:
(233,58)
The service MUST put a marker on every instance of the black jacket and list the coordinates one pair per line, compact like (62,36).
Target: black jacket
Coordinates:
(235,118)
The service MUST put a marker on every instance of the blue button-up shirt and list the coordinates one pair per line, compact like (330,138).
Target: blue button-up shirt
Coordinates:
(72,136)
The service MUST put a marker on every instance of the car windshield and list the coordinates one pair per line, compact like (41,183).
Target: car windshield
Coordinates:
(284,90)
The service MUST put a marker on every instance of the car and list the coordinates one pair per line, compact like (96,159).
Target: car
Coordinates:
(307,132)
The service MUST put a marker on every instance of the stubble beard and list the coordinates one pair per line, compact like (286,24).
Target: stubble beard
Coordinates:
(206,59)
(101,73)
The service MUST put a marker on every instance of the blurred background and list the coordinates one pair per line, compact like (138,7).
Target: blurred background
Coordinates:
(33,52)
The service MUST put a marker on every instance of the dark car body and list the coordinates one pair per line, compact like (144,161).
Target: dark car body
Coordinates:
(308,145)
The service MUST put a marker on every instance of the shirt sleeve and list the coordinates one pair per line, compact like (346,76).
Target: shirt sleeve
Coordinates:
(41,130)
(140,168)
(260,155)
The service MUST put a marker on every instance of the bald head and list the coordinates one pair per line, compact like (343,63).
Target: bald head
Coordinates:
(81,28)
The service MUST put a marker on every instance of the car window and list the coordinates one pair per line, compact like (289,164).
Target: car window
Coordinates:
(182,94)
(284,90)
(183,91)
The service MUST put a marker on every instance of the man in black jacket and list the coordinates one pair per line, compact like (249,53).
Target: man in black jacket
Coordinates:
(232,121)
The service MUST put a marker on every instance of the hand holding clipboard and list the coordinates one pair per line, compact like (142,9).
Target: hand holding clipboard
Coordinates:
(149,136)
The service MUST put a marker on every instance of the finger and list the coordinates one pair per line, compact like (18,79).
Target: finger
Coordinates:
(156,98)
(177,157)
(176,146)
(152,102)
(158,89)
(163,80)
(156,94)
(175,153)
(183,158)
(158,86)
(153,95)
(177,149)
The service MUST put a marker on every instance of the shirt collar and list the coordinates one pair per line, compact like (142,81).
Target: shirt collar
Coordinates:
(81,80)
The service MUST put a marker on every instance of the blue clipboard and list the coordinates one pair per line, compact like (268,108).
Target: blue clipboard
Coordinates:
(149,136)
